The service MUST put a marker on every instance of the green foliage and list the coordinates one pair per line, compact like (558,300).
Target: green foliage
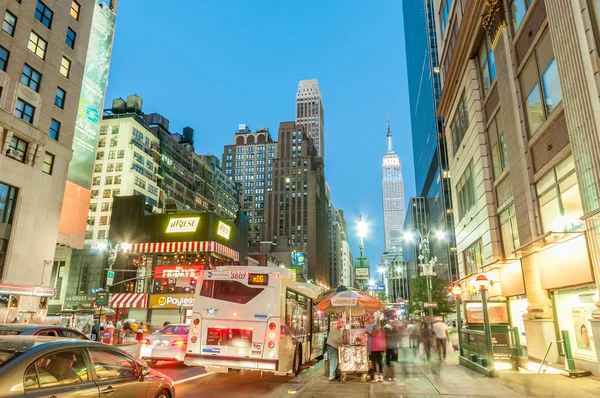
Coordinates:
(440,294)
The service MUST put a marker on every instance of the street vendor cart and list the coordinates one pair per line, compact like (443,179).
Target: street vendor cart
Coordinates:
(352,355)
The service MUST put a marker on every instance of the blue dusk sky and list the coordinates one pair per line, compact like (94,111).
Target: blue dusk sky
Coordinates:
(213,65)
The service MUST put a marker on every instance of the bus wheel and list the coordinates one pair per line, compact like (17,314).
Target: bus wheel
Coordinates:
(297,365)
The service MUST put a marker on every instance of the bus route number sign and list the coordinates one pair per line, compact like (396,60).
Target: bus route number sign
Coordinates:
(258,279)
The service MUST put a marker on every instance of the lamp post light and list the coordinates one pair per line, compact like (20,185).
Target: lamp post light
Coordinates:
(483,283)
(426,263)
(456,292)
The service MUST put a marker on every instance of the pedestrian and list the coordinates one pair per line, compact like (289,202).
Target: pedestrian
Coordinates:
(334,340)
(167,323)
(426,340)
(378,347)
(392,337)
(127,328)
(440,330)
(417,334)
(453,337)
(16,320)
(119,325)
(140,332)
(368,330)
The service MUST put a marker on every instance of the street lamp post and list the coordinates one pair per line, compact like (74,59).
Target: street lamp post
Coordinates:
(457,291)
(426,264)
(483,282)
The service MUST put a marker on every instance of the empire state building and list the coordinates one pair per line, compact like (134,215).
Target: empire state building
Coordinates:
(393,199)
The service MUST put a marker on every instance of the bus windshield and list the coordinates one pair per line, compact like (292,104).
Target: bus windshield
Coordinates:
(229,290)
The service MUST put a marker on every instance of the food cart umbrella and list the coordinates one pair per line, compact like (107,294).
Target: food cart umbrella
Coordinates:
(330,293)
(351,301)
(105,312)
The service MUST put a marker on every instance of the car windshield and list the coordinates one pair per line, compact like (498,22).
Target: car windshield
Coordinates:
(174,330)
(5,356)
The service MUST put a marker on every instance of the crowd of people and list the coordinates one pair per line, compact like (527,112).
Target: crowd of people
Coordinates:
(394,340)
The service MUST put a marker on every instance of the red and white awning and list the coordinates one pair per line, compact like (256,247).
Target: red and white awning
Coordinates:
(185,247)
(128,300)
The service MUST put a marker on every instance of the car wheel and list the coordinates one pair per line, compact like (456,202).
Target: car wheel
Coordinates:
(163,394)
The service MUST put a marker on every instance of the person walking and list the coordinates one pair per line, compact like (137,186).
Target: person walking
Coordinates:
(378,347)
(426,338)
(453,337)
(140,332)
(392,339)
(369,330)
(440,332)
(334,340)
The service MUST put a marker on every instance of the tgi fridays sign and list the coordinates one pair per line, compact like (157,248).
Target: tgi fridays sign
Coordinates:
(176,271)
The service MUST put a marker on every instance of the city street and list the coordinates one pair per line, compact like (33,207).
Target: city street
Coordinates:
(414,379)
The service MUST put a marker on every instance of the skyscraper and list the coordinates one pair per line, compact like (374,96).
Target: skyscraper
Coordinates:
(310,114)
(428,136)
(393,199)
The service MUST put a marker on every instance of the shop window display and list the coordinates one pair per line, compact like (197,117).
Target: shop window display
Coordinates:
(573,310)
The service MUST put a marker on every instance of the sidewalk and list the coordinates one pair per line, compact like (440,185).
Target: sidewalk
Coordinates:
(417,380)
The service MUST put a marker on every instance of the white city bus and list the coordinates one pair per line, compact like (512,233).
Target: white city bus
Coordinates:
(255,318)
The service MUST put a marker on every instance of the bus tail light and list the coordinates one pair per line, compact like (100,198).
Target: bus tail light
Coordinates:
(272,326)
(271,335)
(195,330)
(178,343)
(196,321)
(271,344)
(194,339)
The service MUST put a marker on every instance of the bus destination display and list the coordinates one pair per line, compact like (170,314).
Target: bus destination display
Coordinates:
(258,279)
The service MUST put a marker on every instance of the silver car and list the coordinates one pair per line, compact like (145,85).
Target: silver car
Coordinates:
(35,366)
(166,344)
(11,329)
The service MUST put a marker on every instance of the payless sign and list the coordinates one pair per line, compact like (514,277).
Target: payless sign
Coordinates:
(171,300)
(188,224)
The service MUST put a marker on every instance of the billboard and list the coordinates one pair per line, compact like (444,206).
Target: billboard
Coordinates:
(172,300)
(497,311)
(91,100)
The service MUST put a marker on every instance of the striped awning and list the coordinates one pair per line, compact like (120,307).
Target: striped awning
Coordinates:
(128,300)
(185,247)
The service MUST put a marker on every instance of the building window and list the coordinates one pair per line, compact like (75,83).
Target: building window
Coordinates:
(75,7)
(540,84)
(70,38)
(498,145)
(105,206)
(98,168)
(24,111)
(65,67)
(59,99)
(37,45)
(31,78)
(473,257)
(10,23)
(54,131)
(518,9)
(48,163)
(509,230)
(103,220)
(8,200)
(558,196)
(445,13)
(460,123)
(466,192)
(106,193)
(44,14)
(83,278)
(3,58)
(487,65)
(17,148)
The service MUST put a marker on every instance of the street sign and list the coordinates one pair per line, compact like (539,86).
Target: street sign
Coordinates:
(430,305)
(377,288)
(110,277)
(362,273)
(102,299)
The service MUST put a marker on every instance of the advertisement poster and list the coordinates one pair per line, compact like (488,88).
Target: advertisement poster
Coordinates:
(84,323)
(91,101)
(582,331)
(497,311)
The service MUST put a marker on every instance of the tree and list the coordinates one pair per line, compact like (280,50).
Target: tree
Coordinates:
(440,295)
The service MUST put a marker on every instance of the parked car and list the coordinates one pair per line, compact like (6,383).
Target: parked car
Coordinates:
(39,366)
(166,344)
(12,329)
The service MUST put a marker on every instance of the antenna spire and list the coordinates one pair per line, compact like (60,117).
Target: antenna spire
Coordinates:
(390,146)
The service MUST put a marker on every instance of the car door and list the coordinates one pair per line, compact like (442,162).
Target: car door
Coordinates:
(116,374)
(60,374)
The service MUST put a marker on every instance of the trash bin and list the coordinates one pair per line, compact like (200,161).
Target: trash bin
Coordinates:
(107,337)
(326,365)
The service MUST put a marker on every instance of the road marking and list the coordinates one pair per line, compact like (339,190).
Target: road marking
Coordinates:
(193,378)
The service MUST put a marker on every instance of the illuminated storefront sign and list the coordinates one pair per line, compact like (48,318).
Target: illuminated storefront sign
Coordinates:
(188,224)
(171,300)
(224,230)
(176,271)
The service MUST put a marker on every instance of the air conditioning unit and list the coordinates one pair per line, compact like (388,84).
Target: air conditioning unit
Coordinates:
(12,153)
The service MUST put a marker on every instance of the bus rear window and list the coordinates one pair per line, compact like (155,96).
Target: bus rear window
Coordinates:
(232,291)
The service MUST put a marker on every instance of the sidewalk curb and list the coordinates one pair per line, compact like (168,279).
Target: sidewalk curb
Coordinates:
(312,374)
